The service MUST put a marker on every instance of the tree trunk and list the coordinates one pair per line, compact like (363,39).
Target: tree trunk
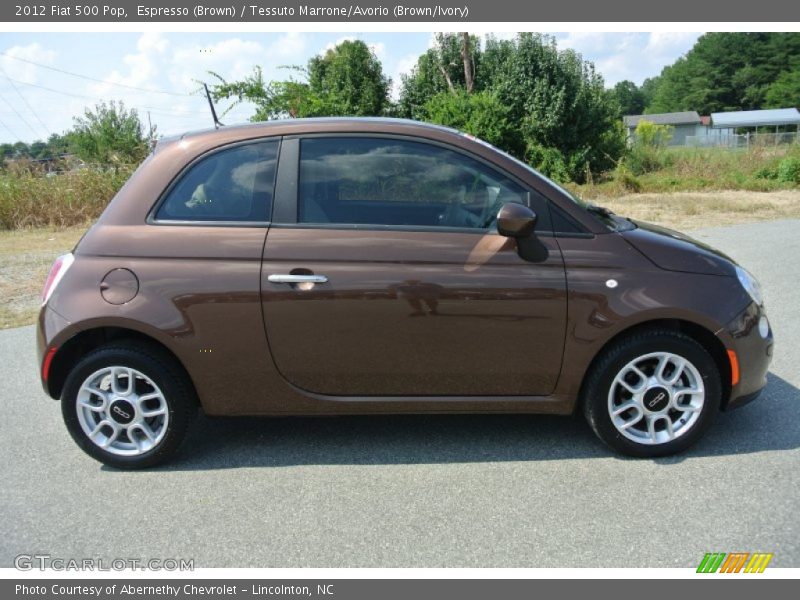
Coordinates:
(466,56)
(449,81)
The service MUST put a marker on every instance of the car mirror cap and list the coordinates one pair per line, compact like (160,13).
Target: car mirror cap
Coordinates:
(515,220)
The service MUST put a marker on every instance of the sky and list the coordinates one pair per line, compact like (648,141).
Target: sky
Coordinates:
(48,78)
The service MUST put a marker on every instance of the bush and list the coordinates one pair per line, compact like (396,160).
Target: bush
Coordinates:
(480,114)
(789,170)
(647,152)
(549,161)
(625,179)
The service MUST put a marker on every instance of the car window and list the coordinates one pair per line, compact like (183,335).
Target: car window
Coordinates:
(235,184)
(389,181)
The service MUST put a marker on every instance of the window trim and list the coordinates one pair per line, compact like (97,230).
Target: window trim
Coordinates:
(183,171)
(290,201)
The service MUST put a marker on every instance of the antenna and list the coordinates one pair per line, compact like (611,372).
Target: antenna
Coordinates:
(217,123)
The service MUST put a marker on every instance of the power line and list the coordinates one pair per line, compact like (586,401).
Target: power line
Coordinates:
(57,70)
(21,118)
(95,99)
(8,129)
(45,128)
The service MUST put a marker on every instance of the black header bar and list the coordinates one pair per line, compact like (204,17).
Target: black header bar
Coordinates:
(455,11)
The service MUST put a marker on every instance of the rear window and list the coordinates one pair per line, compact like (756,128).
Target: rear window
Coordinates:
(235,185)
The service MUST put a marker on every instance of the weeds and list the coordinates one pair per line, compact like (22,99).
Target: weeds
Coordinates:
(29,198)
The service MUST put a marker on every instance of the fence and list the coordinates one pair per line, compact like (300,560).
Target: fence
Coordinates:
(745,140)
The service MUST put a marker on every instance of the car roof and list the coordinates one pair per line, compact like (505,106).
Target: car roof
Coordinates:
(289,126)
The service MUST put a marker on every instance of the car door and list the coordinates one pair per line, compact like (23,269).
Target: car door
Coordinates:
(383,274)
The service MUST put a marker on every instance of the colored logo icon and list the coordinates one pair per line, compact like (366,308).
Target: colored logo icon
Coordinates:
(735,562)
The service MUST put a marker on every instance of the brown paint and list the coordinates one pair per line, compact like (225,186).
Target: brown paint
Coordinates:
(421,320)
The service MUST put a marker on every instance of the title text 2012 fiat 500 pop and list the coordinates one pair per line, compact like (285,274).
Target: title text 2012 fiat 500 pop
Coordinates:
(342,266)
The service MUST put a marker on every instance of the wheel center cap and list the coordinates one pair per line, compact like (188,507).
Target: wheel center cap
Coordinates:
(122,411)
(656,399)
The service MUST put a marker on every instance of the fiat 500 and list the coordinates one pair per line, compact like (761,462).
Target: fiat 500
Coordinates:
(354,266)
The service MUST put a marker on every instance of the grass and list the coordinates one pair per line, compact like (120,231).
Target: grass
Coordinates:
(698,169)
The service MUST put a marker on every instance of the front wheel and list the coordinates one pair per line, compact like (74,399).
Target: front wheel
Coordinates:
(127,406)
(652,394)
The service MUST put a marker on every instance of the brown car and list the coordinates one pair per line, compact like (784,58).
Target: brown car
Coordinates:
(343,266)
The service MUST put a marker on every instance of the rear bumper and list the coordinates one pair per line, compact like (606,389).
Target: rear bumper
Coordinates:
(753,346)
(51,333)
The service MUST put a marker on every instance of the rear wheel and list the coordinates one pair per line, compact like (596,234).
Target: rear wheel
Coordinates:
(652,394)
(128,407)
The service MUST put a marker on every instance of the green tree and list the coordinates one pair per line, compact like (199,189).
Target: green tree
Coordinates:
(440,69)
(480,114)
(348,80)
(784,92)
(110,135)
(55,146)
(726,71)
(567,123)
(629,97)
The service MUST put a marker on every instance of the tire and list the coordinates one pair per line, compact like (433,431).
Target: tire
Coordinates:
(622,396)
(135,398)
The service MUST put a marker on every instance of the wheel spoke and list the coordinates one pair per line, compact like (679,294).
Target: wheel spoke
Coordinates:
(149,396)
(651,427)
(148,414)
(98,428)
(143,401)
(92,407)
(112,438)
(680,365)
(95,391)
(115,377)
(663,361)
(624,407)
(145,429)
(687,390)
(631,422)
(639,373)
(670,431)
(142,444)
(692,406)
(631,388)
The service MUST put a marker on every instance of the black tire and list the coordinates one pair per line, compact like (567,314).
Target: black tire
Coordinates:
(595,395)
(163,370)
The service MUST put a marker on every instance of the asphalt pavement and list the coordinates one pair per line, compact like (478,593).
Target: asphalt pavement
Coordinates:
(420,491)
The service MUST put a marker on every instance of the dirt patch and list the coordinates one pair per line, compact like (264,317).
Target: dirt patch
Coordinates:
(25,259)
(693,210)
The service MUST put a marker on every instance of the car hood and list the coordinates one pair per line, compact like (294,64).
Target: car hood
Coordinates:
(675,251)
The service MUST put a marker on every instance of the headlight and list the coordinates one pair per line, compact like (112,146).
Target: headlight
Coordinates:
(750,284)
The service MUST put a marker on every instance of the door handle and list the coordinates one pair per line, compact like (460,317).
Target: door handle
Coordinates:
(289,278)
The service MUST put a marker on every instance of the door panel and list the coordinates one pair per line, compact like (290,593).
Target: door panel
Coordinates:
(411,313)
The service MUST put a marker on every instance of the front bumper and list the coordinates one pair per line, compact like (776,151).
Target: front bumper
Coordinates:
(753,347)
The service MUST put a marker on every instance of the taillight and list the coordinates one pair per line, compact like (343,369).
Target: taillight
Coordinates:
(57,271)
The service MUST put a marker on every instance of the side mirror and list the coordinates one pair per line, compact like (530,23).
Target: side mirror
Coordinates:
(515,220)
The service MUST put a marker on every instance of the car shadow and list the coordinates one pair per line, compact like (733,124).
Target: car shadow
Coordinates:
(769,423)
